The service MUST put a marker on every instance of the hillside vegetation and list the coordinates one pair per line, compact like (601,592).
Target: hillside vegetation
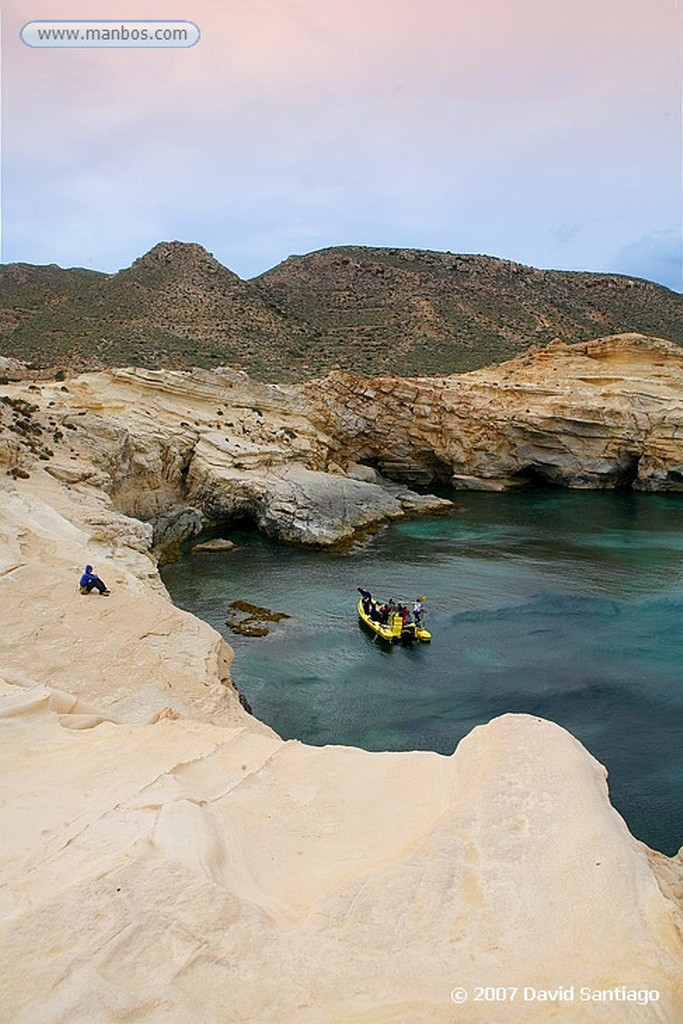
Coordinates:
(369,310)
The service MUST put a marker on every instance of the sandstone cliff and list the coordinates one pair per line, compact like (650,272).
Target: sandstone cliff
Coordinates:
(181,448)
(168,859)
(314,463)
(608,413)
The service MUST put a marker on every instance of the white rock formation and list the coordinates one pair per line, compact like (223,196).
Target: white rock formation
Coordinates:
(601,414)
(183,871)
(178,448)
(166,858)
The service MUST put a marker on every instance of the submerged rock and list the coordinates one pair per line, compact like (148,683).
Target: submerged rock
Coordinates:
(250,618)
(219,544)
(247,627)
(257,611)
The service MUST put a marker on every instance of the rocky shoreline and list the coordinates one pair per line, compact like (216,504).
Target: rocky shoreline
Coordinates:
(315,463)
(166,857)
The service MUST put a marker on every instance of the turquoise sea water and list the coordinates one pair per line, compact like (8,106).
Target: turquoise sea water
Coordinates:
(567,605)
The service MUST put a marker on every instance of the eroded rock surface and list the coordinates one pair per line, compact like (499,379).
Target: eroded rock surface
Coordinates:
(316,463)
(167,858)
(179,871)
(180,449)
(603,414)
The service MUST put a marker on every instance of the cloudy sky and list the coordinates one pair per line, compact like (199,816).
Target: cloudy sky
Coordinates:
(543,131)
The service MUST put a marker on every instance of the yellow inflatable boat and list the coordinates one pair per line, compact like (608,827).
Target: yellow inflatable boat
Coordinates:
(394,632)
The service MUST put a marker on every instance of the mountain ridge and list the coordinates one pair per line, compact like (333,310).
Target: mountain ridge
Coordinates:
(366,309)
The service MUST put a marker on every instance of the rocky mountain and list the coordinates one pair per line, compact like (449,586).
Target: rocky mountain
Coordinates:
(410,312)
(175,306)
(367,310)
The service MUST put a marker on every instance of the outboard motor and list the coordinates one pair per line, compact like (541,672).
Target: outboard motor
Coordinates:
(408,635)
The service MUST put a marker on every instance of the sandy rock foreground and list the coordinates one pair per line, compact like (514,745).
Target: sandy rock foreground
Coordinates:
(167,859)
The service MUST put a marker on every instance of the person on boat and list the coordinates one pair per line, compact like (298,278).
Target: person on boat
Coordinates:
(366,600)
(418,611)
(384,614)
(90,581)
(405,614)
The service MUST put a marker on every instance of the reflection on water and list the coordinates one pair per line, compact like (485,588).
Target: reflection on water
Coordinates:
(567,605)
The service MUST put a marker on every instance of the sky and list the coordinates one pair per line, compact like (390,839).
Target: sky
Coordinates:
(542,131)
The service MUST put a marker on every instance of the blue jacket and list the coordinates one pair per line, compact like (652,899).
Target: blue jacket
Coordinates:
(88,576)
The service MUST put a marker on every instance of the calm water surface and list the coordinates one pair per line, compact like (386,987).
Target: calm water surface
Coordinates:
(559,604)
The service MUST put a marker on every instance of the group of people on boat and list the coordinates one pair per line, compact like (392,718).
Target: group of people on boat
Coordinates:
(384,613)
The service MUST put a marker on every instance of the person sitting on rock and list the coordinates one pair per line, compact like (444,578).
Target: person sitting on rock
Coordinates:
(91,581)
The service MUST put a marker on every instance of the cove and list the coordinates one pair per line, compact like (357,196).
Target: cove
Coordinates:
(563,604)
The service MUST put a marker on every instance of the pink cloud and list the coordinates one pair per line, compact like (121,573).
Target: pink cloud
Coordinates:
(438,120)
